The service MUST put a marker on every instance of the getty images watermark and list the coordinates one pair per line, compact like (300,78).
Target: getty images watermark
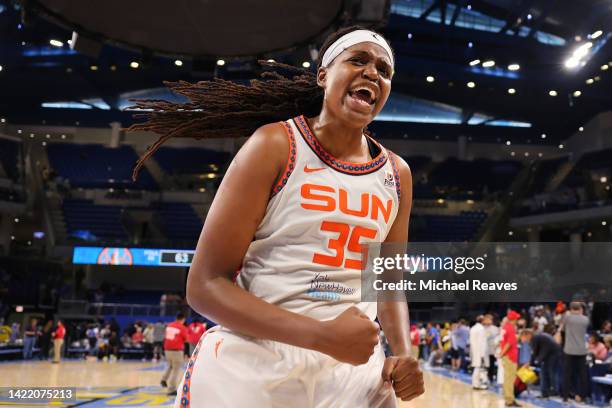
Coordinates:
(487,272)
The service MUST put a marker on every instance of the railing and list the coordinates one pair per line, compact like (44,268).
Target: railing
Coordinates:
(83,307)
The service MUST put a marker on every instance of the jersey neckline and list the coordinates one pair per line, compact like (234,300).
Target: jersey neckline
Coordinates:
(345,167)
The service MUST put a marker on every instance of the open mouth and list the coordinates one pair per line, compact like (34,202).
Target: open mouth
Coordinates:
(364,95)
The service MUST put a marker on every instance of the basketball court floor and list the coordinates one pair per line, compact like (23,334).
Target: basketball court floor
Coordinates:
(136,384)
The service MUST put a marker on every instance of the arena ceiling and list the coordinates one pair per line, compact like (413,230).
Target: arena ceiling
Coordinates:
(539,48)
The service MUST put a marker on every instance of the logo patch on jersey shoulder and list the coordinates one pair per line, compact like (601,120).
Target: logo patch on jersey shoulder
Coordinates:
(389,180)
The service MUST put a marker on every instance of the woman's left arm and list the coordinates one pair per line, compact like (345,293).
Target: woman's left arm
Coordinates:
(393,316)
(400,370)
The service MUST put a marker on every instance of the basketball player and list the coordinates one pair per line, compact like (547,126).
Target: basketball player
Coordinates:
(294,208)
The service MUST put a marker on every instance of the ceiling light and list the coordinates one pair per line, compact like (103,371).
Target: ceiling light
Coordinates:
(512,154)
(543,136)
(0,68)
(552,92)
(561,146)
(511,91)
(178,63)
(306,64)
(471,84)
(572,62)
(514,67)
(56,43)
(596,34)
(529,16)
(430,78)
(470,44)
(134,64)
(605,67)
(508,143)
(603,179)
(604,223)
(580,129)
(540,154)
(526,154)
(589,81)
(93,67)
(488,64)
(271,60)
(474,62)
(220,62)
(577,93)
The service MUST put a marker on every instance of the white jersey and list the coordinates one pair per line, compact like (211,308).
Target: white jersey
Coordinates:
(306,254)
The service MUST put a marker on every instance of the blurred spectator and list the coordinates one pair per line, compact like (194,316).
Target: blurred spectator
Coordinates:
(45,340)
(159,333)
(196,329)
(137,337)
(15,333)
(597,348)
(460,336)
(92,337)
(546,353)
(479,355)
(540,321)
(30,335)
(606,328)
(492,332)
(509,356)
(415,340)
(58,341)
(574,327)
(174,346)
(148,341)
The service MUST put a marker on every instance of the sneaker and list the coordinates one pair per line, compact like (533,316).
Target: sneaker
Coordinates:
(163,383)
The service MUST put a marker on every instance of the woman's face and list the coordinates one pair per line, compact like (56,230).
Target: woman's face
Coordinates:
(357,83)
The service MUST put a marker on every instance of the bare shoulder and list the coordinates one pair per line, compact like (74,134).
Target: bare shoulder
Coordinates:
(267,147)
(403,168)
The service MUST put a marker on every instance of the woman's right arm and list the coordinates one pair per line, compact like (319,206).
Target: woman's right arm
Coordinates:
(230,226)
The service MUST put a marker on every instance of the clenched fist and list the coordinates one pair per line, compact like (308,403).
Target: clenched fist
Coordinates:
(350,337)
(404,374)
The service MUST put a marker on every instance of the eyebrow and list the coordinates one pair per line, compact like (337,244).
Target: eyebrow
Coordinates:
(369,54)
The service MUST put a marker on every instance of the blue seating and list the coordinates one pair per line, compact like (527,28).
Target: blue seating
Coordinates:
(475,175)
(97,166)
(9,152)
(446,228)
(175,160)
(179,222)
(101,222)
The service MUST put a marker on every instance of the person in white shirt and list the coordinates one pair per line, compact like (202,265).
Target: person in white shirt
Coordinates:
(479,355)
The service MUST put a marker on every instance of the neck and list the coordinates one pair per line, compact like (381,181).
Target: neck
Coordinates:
(340,138)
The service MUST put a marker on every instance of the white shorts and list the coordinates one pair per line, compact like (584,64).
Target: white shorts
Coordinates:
(230,370)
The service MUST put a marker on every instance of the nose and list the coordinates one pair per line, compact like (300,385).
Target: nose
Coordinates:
(370,72)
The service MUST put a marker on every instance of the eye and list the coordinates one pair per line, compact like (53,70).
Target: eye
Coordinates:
(384,70)
(357,60)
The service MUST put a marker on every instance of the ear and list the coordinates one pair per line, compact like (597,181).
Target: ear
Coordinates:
(321,77)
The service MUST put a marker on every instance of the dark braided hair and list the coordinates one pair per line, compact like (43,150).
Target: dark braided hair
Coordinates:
(221,108)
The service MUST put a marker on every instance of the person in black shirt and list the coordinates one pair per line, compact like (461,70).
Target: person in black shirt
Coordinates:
(546,353)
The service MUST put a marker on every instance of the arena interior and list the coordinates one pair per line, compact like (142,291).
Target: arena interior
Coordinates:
(502,109)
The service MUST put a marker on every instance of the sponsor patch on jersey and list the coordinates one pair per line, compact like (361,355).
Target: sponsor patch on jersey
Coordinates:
(389,180)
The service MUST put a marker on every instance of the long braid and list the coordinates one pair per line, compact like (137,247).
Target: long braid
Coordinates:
(221,108)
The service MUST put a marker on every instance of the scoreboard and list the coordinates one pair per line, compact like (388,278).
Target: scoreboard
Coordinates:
(131,256)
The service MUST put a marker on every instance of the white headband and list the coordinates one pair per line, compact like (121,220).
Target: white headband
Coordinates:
(352,38)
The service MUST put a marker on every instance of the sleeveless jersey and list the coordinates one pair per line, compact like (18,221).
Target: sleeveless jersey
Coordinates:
(306,253)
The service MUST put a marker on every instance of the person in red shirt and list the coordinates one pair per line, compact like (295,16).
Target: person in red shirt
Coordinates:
(509,356)
(137,337)
(196,330)
(415,339)
(174,346)
(58,341)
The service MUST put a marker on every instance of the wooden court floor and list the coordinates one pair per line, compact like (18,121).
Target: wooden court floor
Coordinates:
(136,384)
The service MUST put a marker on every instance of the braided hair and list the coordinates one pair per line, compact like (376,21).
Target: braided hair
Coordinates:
(221,108)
